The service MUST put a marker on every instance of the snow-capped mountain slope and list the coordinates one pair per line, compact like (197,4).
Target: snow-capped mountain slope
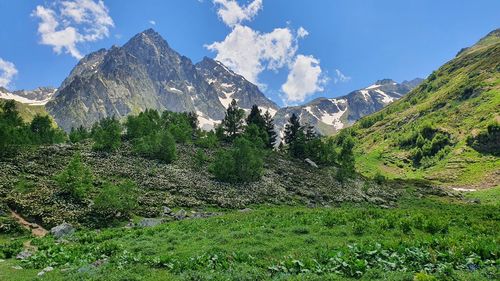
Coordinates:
(38,96)
(230,85)
(328,115)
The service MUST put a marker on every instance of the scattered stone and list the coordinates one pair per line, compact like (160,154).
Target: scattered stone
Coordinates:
(17,267)
(149,222)
(246,210)
(62,230)
(180,215)
(100,262)
(24,255)
(45,270)
(2,260)
(311,163)
(474,201)
(167,211)
(376,200)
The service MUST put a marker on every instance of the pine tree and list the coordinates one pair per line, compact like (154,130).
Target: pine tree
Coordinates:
(255,117)
(310,132)
(233,121)
(269,127)
(292,129)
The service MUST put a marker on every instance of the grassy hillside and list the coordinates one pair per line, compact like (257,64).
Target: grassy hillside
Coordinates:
(437,132)
(27,112)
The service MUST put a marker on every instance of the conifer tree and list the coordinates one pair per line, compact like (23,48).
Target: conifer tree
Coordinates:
(233,121)
(269,127)
(292,129)
(255,117)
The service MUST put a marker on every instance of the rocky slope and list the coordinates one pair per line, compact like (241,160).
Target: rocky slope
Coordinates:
(330,115)
(27,183)
(439,120)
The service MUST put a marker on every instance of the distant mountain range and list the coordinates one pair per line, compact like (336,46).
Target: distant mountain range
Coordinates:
(38,96)
(328,115)
(147,73)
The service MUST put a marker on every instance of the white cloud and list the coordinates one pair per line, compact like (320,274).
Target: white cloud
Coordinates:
(249,52)
(302,32)
(7,72)
(305,78)
(231,13)
(152,22)
(68,23)
(340,77)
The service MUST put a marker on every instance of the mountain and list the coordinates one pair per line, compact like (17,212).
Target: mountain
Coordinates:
(147,73)
(446,130)
(230,85)
(38,96)
(330,115)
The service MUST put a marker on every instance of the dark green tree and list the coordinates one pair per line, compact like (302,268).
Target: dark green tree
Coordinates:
(243,163)
(79,134)
(143,124)
(115,200)
(292,128)
(346,159)
(76,179)
(269,128)
(42,131)
(157,145)
(107,134)
(233,121)
(255,117)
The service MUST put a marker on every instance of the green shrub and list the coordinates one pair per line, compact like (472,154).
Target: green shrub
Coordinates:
(113,200)
(157,145)
(42,131)
(9,225)
(208,140)
(76,179)
(487,141)
(201,157)
(107,135)
(79,134)
(242,163)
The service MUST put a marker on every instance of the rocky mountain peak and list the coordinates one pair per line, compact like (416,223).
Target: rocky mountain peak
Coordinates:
(385,82)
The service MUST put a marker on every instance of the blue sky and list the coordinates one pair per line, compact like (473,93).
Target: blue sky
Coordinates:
(294,50)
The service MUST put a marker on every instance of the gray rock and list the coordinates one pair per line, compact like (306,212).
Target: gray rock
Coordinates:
(62,230)
(311,163)
(180,215)
(24,255)
(45,270)
(246,210)
(167,211)
(149,222)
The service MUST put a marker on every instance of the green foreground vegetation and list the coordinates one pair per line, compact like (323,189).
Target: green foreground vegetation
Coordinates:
(427,239)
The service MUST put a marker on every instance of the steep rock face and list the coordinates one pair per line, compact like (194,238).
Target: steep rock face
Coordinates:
(230,85)
(330,115)
(144,73)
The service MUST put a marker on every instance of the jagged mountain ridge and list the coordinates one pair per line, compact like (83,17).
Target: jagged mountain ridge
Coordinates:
(147,73)
(328,115)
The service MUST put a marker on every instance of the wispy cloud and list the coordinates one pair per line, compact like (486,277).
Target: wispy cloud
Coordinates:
(231,13)
(152,22)
(7,72)
(65,24)
(340,77)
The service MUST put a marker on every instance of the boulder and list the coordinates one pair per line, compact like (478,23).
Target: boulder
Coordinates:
(149,222)
(246,210)
(24,255)
(311,163)
(62,230)
(180,215)
(167,211)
